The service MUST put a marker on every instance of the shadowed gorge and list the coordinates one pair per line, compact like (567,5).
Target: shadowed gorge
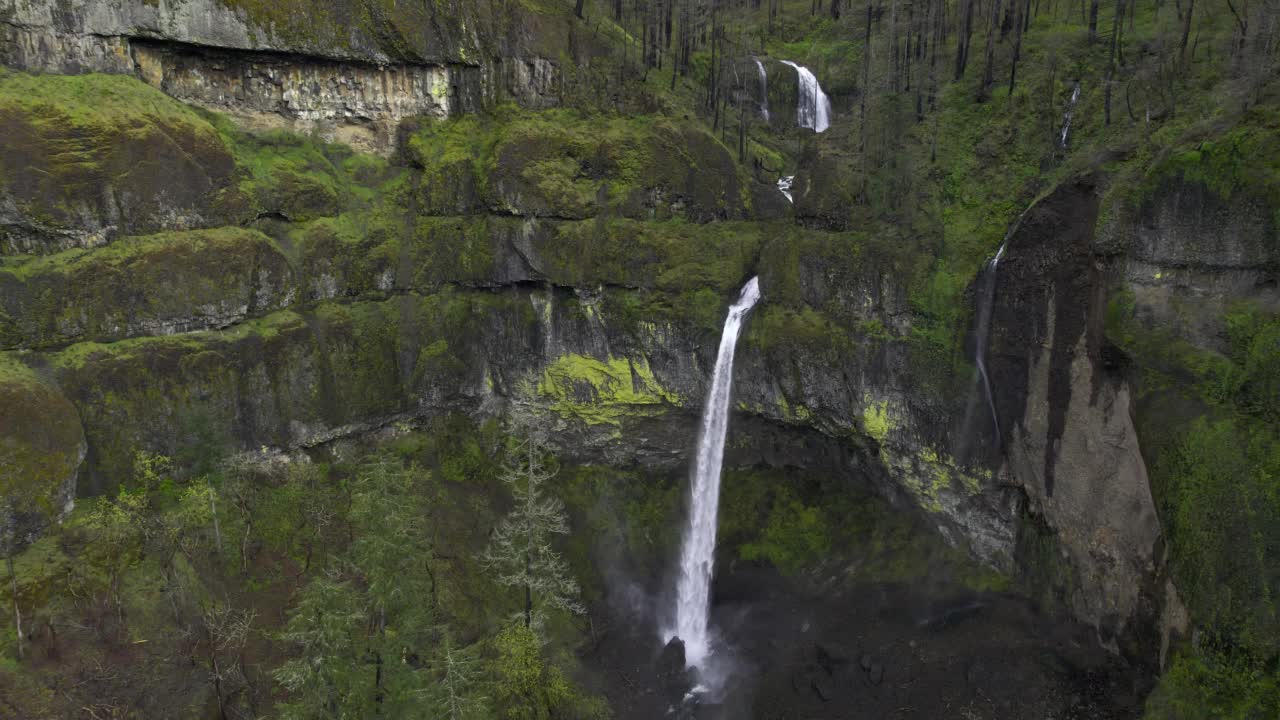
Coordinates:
(585,359)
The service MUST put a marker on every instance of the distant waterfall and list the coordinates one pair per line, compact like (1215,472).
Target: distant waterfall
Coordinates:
(697,556)
(764,90)
(985,308)
(1066,117)
(814,111)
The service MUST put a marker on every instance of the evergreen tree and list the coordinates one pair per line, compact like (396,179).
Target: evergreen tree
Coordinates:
(520,553)
(455,696)
(361,627)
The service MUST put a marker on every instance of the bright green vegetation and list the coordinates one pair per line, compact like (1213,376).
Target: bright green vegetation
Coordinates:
(355,580)
(602,391)
(1212,425)
(300,178)
(307,585)
(1214,686)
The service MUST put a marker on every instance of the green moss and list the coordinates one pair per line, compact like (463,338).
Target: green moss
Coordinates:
(40,446)
(793,413)
(603,391)
(136,285)
(64,138)
(564,164)
(802,522)
(672,257)
(1208,684)
(794,537)
(875,419)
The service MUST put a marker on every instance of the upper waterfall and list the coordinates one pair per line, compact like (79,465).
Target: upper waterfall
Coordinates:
(697,556)
(814,111)
(764,89)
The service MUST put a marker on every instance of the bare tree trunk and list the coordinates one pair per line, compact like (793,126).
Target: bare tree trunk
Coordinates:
(1186,31)
(1017,42)
(866,83)
(1117,24)
(962,44)
(988,68)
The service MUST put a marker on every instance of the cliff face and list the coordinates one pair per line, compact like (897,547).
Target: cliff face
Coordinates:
(167,271)
(347,71)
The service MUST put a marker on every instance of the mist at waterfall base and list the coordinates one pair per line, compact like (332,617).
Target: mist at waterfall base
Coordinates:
(697,553)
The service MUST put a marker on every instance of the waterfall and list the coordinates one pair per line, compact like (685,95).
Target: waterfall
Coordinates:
(984,329)
(1066,117)
(697,556)
(814,111)
(764,90)
(784,186)
(985,308)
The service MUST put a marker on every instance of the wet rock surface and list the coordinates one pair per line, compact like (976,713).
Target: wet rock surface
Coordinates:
(879,651)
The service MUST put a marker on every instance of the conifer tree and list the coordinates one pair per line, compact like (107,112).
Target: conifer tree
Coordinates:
(520,553)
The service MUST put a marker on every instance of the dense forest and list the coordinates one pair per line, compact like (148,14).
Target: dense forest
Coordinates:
(352,355)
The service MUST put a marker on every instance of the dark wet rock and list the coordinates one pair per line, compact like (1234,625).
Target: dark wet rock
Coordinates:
(671,663)
(875,675)
(952,614)
(823,686)
(832,656)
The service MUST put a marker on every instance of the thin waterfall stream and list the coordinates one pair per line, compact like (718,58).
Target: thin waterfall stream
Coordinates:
(984,330)
(1066,117)
(986,307)
(697,555)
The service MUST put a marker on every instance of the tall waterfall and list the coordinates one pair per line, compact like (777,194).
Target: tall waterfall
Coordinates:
(764,90)
(697,556)
(1066,117)
(814,111)
(985,308)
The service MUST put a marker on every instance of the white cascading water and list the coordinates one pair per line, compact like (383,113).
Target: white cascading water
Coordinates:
(814,111)
(784,186)
(697,556)
(764,90)
(1066,117)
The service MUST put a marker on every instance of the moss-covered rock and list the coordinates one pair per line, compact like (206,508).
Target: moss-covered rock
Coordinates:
(603,391)
(41,448)
(83,159)
(293,378)
(154,285)
(562,164)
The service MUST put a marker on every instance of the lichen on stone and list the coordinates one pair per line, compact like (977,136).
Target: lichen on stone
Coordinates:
(602,391)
